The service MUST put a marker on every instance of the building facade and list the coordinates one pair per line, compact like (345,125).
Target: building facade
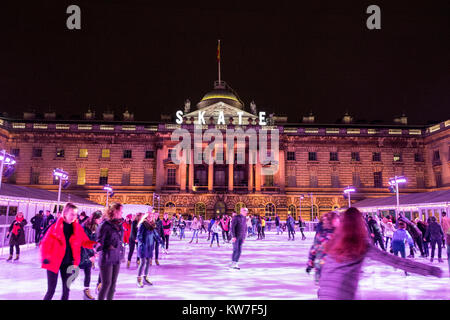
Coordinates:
(316,160)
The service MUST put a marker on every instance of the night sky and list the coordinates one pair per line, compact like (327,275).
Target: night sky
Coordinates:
(150,57)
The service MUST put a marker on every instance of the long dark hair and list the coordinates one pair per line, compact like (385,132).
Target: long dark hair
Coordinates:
(90,222)
(350,238)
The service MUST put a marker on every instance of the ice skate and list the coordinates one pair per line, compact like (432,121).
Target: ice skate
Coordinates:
(210,245)
(87,295)
(157,262)
(151,261)
(10,258)
(218,244)
(128,264)
(17,257)
(98,288)
(431,260)
(440,260)
(147,281)
(140,284)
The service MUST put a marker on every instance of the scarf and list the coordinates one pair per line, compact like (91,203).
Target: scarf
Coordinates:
(17,225)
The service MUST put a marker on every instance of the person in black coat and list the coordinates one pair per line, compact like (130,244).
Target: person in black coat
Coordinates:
(110,239)
(375,232)
(47,220)
(238,233)
(36,223)
(160,230)
(17,232)
(436,234)
(133,238)
(423,228)
(416,235)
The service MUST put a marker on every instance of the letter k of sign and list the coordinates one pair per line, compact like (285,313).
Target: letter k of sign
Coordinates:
(201,119)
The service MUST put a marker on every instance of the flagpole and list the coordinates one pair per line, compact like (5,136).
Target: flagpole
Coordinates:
(218,60)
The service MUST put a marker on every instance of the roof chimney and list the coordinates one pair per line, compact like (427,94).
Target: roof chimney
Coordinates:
(403,119)
(108,115)
(309,118)
(127,116)
(29,115)
(89,115)
(51,115)
(347,118)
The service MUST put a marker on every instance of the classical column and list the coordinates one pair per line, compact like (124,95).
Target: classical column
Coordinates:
(250,177)
(182,168)
(191,171)
(230,176)
(444,156)
(210,176)
(160,155)
(281,171)
(258,175)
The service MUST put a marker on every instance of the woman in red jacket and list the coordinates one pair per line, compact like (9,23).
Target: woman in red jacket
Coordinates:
(126,225)
(61,248)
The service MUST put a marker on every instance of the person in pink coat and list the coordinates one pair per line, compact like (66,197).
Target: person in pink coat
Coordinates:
(167,226)
(225,225)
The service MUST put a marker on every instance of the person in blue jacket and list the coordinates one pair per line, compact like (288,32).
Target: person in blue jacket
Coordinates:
(148,237)
(211,223)
(399,240)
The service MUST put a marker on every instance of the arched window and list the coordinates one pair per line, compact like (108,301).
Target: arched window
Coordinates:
(200,209)
(238,206)
(315,213)
(269,210)
(292,210)
(335,207)
(170,208)
(219,208)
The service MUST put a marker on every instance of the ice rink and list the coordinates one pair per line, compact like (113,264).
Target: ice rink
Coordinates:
(273,268)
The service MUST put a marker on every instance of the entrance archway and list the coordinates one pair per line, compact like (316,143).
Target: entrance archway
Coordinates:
(219,208)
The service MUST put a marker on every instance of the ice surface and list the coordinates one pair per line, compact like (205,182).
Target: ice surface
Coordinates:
(273,268)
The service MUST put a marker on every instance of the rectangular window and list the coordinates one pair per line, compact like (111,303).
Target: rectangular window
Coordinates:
(268,180)
(376,156)
(60,153)
(420,181)
(149,154)
(355,179)
(34,178)
(106,153)
(37,153)
(148,178)
(291,155)
(397,157)
(292,181)
(171,176)
(378,179)
(438,178)
(15,152)
(126,178)
(355,156)
(103,176)
(335,180)
(81,176)
(127,154)
(219,156)
(418,157)
(312,156)
(334,156)
(83,153)
(313,181)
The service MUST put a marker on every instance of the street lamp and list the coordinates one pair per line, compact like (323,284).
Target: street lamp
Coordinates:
(108,190)
(157,196)
(61,175)
(312,207)
(6,159)
(348,191)
(393,183)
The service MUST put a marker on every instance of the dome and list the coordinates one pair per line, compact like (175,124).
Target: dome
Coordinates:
(220,93)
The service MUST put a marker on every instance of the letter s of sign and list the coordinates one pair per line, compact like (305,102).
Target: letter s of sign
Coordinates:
(73,275)
(74,20)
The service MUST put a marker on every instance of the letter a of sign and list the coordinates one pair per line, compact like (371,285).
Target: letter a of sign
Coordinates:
(374,21)
(74,20)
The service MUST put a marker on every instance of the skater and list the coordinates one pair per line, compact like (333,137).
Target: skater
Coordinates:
(202,224)
(36,223)
(422,225)
(263,226)
(82,218)
(415,234)
(88,255)
(375,232)
(182,227)
(316,253)
(17,232)
(211,223)
(174,224)
(166,224)
(301,227)
(160,230)
(195,226)
(110,237)
(126,225)
(225,225)
(399,239)
(389,229)
(259,227)
(238,230)
(445,223)
(346,252)
(249,225)
(254,225)
(61,248)
(47,220)
(290,224)
(277,224)
(148,238)
(215,230)
(133,238)
(435,232)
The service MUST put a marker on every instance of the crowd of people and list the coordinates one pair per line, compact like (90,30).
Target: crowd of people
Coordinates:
(340,245)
